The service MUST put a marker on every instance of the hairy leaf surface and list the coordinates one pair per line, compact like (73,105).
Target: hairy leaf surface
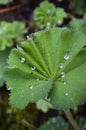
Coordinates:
(52,63)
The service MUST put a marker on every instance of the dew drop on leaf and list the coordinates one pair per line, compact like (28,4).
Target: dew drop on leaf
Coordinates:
(61,65)
(64,83)
(62,74)
(22,59)
(9,88)
(66,56)
(33,68)
(66,94)
(30,86)
(37,79)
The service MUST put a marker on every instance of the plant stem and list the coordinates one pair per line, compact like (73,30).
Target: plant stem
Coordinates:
(71,120)
(27,123)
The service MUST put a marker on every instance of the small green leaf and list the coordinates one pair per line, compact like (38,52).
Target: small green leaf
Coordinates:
(5,1)
(60,14)
(10,31)
(55,124)
(5,42)
(78,24)
(46,15)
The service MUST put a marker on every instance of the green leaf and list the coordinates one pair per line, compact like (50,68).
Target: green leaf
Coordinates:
(53,60)
(60,14)
(10,31)
(5,1)
(73,82)
(79,24)
(46,15)
(3,64)
(26,88)
(55,124)
(5,42)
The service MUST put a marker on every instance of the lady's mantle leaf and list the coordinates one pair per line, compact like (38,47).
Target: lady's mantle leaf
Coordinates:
(47,15)
(55,124)
(49,65)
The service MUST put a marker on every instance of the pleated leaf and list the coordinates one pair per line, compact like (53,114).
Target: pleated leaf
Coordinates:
(52,63)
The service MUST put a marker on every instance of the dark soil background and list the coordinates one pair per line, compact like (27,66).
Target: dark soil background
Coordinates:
(11,118)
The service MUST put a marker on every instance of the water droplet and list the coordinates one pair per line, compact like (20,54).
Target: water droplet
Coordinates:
(30,86)
(66,56)
(62,74)
(66,94)
(61,65)
(33,68)
(54,120)
(22,59)
(37,79)
(64,83)
(9,88)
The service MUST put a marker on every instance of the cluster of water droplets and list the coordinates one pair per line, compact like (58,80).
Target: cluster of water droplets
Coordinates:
(61,65)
